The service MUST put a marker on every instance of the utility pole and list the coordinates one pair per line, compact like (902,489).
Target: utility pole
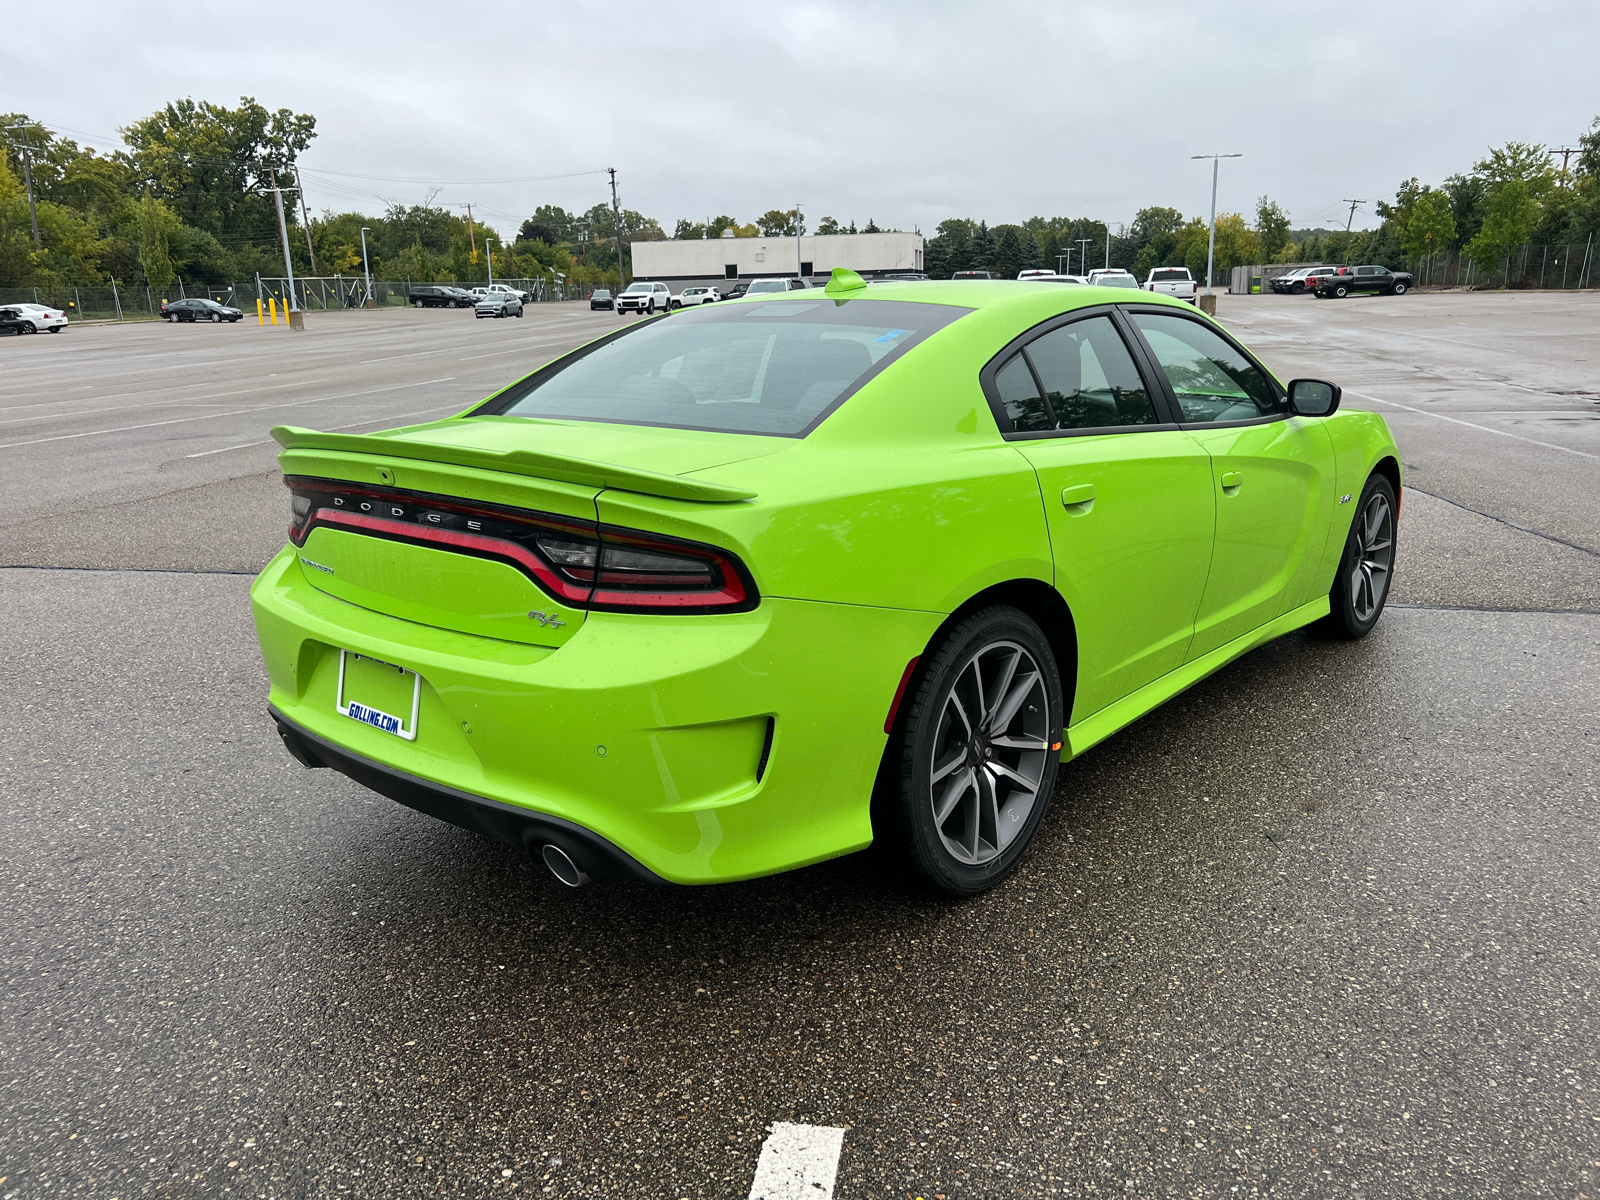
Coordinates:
(306,217)
(27,174)
(472,232)
(799,254)
(1566,152)
(365,269)
(1211,245)
(1350,220)
(616,228)
(283,229)
(1108,246)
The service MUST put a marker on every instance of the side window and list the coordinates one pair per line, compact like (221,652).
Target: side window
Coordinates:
(1089,377)
(1020,395)
(1211,380)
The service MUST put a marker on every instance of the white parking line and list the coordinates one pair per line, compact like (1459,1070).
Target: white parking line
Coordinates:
(84,412)
(798,1161)
(1483,428)
(67,437)
(387,421)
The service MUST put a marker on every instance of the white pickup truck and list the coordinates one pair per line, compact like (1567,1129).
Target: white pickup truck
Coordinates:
(1172,281)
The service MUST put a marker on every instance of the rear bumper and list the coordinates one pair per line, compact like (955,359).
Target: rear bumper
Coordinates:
(702,749)
(507,823)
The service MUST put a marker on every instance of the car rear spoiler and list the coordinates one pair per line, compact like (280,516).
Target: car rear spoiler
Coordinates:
(534,463)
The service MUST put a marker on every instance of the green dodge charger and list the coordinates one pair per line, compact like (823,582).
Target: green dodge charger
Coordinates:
(753,585)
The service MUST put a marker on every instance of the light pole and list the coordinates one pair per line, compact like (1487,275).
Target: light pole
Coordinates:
(1211,246)
(1083,256)
(799,260)
(365,268)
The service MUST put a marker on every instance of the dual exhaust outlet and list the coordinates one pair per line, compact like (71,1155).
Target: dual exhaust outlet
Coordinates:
(562,866)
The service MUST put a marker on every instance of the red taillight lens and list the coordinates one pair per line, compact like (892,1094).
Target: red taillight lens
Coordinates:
(581,563)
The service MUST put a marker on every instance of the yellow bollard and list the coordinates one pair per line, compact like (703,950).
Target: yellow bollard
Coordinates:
(260,317)
(272,307)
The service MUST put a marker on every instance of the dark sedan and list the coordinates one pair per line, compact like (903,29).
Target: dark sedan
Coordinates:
(11,321)
(1374,281)
(199,310)
(601,298)
(440,297)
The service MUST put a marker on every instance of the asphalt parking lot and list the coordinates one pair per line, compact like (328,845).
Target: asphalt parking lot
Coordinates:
(1325,925)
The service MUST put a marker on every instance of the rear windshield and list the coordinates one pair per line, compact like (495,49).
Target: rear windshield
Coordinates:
(1170,277)
(1117,281)
(776,367)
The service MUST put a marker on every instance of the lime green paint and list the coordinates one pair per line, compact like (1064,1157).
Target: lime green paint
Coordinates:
(844,279)
(1174,550)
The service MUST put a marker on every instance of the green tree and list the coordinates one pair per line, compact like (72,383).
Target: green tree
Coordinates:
(777,222)
(983,249)
(154,223)
(1237,246)
(1430,225)
(1272,228)
(213,165)
(828,226)
(1008,251)
(1509,219)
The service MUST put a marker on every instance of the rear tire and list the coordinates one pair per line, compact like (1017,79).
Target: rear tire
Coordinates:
(1366,568)
(976,751)
(29,327)
(1341,291)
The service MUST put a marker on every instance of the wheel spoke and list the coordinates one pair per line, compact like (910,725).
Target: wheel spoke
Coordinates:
(999,768)
(1001,686)
(988,814)
(961,711)
(953,792)
(1007,708)
(1009,742)
(956,758)
(1375,547)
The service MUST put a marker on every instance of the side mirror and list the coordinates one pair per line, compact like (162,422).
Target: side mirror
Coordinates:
(1313,397)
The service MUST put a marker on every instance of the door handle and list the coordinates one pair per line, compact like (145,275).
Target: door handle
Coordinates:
(1078,499)
(1231,480)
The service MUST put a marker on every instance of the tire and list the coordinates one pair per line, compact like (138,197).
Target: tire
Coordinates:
(1341,291)
(57,328)
(993,797)
(216,318)
(1297,289)
(28,327)
(416,304)
(1400,289)
(173,317)
(1366,568)
(519,314)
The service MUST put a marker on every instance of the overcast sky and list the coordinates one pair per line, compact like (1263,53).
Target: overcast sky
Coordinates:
(903,112)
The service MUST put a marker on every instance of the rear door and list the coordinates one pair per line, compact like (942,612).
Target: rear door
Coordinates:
(1271,475)
(1127,498)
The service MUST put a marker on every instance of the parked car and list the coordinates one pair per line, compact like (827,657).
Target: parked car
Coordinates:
(691,296)
(433,296)
(1373,280)
(727,622)
(972,275)
(1301,280)
(499,304)
(1113,277)
(762,287)
(736,291)
(199,310)
(11,321)
(644,298)
(1172,281)
(601,298)
(1035,273)
(478,293)
(38,318)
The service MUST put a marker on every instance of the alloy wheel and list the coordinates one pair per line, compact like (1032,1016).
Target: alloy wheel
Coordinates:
(1369,575)
(990,752)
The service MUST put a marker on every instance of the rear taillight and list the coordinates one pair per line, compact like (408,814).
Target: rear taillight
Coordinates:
(582,563)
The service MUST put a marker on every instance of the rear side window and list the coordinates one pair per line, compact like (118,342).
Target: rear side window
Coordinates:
(1211,380)
(1089,377)
(1019,394)
(777,367)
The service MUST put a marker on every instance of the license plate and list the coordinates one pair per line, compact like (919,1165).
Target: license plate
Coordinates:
(369,688)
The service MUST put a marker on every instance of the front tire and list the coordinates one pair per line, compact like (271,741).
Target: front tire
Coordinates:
(1366,568)
(1400,289)
(978,748)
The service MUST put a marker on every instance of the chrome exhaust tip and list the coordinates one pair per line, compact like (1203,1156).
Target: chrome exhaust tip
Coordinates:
(562,866)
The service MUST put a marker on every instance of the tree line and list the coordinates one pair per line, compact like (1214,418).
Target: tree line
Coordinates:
(190,196)
(1517,195)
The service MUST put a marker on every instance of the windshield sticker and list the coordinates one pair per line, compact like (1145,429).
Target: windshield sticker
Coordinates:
(891,335)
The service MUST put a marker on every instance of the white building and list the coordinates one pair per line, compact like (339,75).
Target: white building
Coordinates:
(729,258)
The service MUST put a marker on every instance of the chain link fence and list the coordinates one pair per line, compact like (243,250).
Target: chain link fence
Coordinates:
(1567,267)
(117,302)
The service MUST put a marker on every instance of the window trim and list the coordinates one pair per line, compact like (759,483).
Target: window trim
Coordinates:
(1163,310)
(1158,395)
